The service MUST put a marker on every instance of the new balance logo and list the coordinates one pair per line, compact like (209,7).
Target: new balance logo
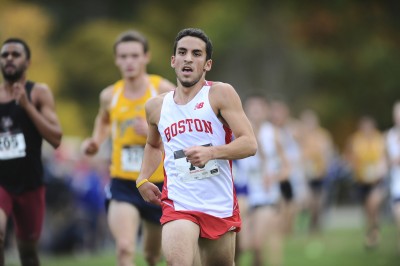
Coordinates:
(199,105)
(232,228)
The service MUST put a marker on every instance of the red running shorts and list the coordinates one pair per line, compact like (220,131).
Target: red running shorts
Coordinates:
(211,227)
(27,210)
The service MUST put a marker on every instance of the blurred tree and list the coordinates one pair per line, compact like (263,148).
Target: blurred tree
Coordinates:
(337,57)
(73,13)
(88,66)
(32,24)
(88,62)
(354,49)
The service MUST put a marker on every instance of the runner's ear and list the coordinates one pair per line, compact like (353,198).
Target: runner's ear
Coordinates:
(207,66)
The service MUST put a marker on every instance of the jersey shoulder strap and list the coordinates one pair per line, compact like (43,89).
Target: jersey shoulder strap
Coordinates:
(28,88)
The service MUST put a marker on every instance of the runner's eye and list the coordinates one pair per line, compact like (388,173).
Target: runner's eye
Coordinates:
(13,54)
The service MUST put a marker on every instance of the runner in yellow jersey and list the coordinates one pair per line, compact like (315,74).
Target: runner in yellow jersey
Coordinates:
(122,116)
(367,158)
(317,154)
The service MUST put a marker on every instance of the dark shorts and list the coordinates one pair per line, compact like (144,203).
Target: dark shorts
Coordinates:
(274,206)
(27,210)
(364,190)
(316,185)
(126,191)
(286,190)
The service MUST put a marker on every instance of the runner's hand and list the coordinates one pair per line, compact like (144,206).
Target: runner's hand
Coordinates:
(89,146)
(140,126)
(19,94)
(150,193)
(198,155)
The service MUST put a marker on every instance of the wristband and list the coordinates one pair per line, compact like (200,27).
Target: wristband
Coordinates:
(138,185)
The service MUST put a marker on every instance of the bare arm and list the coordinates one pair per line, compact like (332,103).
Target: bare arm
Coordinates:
(153,152)
(101,129)
(227,105)
(383,164)
(391,161)
(348,154)
(141,126)
(285,166)
(41,111)
(165,86)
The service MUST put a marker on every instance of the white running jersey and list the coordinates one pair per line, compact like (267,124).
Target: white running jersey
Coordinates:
(186,187)
(393,143)
(293,155)
(393,150)
(257,166)
(267,139)
(258,193)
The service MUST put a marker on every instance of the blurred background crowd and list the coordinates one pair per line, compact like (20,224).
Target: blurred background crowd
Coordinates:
(332,65)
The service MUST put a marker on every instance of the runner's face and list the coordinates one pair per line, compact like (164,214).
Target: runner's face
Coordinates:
(13,61)
(256,110)
(279,113)
(131,59)
(189,61)
(367,126)
(309,119)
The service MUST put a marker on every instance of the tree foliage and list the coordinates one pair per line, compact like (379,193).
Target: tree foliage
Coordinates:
(337,57)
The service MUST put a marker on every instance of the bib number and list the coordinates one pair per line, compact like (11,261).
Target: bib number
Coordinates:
(131,158)
(188,172)
(12,146)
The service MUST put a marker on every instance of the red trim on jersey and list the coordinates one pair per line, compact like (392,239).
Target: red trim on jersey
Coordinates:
(208,83)
(228,135)
(235,201)
(164,192)
(228,139)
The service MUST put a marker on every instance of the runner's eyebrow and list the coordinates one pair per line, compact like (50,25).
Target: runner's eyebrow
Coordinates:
(13,54)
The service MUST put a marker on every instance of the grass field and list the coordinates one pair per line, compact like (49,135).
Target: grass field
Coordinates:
(339,247)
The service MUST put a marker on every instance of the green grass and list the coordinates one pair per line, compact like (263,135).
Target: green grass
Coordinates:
(344,248)
(338,248)
(333,248)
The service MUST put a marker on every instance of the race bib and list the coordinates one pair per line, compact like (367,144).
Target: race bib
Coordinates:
(12,146)
(131,158)
(188,172)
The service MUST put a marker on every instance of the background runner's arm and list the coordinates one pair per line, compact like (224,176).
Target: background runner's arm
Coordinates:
(42,113)
(153,150)
(101,129)
(285,166)
(165,86)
